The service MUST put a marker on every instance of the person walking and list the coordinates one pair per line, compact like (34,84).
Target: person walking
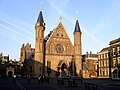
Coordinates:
(39,79)
(28,79)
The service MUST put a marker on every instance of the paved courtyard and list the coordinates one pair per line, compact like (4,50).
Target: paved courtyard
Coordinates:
(33,84)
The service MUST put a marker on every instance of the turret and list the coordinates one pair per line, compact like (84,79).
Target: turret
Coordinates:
(22,53)
(39,45)
(78,49)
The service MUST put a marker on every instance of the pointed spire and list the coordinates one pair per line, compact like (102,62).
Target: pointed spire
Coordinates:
(40,20)
(77,27)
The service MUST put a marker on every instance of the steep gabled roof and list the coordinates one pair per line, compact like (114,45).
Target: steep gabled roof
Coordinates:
(58,32)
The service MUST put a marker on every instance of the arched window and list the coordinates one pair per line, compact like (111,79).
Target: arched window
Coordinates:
(68,50)
(51,48)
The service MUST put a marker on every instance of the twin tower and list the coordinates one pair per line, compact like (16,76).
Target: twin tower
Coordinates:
(55,55)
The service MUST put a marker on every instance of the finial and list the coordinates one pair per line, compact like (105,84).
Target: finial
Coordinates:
(77,15)
(40,5)
(60,18)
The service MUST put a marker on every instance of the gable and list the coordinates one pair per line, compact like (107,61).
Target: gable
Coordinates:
(59,32)
(59,37)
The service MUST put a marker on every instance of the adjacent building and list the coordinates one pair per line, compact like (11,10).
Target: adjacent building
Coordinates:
(27,59)
(9,67)
(115,58)
(3,58)
(90,64)
(103,63)
(109,60)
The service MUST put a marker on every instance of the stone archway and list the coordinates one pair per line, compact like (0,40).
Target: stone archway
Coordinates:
(62,68)
(10,71)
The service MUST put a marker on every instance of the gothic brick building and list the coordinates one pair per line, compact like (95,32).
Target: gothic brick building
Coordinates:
(54,54)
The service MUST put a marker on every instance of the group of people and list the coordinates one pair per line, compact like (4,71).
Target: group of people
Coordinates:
(41,79)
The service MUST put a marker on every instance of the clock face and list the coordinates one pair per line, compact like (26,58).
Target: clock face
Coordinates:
(37,24)
(59,48)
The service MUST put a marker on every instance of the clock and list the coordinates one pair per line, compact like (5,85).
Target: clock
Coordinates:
(37,24)
(59,48)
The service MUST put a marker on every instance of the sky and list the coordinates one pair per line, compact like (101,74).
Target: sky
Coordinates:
(99,22)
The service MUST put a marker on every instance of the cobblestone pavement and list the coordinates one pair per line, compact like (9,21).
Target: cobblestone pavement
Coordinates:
(104,84)
(52,85)
(8,84)
(33,84)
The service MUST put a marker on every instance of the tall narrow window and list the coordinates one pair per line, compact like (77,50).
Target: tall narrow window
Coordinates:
(68,49)
(118,49)
(51,48)
(113,51)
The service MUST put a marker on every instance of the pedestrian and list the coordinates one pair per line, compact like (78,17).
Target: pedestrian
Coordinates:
(14,78)
(42,79)
(28,79)
(39,79)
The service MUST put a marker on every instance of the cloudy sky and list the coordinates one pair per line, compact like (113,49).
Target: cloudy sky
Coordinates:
(99,21)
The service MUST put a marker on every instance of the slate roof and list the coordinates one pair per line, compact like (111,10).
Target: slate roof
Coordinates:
(77,27)
(40,19)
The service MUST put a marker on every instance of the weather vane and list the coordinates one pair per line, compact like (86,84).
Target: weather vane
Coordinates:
(41,5)
(77,14)
(60,18)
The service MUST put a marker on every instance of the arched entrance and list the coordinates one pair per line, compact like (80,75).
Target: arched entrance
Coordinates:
(62,68)
(116,73)
(10,73)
